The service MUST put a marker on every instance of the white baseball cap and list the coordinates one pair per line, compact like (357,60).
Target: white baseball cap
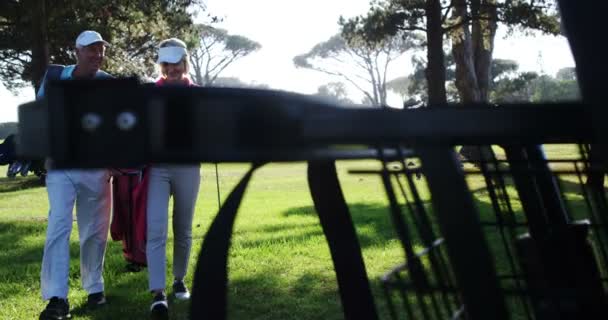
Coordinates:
(89,37)
(171,54)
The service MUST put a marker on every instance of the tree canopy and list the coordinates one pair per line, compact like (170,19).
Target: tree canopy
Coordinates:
(215,50)
(471,27)
(363,64)
(36,32)
(335,92)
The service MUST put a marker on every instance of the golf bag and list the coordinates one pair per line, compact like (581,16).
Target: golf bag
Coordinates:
(129,197)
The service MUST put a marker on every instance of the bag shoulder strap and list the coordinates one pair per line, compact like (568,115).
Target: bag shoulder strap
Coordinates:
(53,72)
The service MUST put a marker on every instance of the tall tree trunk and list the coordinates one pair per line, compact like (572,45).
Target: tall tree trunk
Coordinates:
(40,48)
(435,70)
(383,93)
(475,57)
(196,66)
(484,31)
(374,81)
(462,50)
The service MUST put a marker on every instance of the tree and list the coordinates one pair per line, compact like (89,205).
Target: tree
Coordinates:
(568,73)
(417,84)
(335,92)
(232,82)
(400,86)
(215,51)
(7,128)
(502,68)
(36,32)
(549,89)
(470,24)
(518,88)
(532,87)
(388,18)
(359,62)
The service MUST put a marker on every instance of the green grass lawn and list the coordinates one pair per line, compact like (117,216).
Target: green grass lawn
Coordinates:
(280,266)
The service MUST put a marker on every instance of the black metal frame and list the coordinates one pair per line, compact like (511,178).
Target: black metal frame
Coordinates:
(548,262)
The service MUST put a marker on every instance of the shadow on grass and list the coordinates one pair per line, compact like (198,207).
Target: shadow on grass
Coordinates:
(20,183)
(19,258)
(21,250)
(267,296)
(372,220)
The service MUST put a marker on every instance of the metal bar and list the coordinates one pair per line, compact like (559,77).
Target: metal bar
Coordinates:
(553,203)
(337,225)
(466,245)
(226,125)
(594,216)
(415,268)
(425,231)
(453,125)
(527,190)
(498,195)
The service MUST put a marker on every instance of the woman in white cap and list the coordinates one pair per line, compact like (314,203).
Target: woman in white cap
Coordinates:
(180,181)
(173,63)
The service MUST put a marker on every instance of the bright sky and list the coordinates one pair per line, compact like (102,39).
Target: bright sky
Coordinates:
(289,28)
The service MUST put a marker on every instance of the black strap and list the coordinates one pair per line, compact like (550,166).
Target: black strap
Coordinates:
(357,299)
(209,293)
(210,288)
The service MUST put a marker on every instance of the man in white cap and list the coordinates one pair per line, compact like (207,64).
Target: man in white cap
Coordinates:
(90,191)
